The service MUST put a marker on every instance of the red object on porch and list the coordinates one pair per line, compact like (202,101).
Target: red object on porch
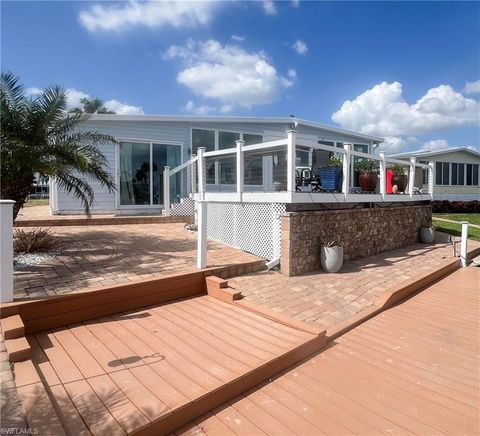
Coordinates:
(389,181)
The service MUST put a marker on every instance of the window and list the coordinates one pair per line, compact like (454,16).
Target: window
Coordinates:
(203,138)
(424,173)
(442,173)
(454,174)
(253,174)
(141,178)
(469,174)
(475,175)
(458,174)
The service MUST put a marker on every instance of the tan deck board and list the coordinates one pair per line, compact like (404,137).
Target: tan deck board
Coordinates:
(128,372)
(414,369)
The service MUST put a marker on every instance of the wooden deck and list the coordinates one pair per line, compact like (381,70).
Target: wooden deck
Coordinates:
(413,369)
(151,370)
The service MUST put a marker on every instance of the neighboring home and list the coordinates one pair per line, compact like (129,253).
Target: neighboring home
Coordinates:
(40,187)
(456,174)
(148,143)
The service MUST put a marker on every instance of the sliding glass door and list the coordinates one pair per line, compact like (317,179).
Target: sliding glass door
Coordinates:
(141,172)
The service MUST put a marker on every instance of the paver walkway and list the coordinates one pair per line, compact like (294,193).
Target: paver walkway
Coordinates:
(328,299)
(410,370)
(109,255)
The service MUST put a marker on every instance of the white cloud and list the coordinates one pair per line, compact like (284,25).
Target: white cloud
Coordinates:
(472,87)
(295,3)
(74,97)
(123,15)
(123,108)
(197,110)
(238,38)
(382,110)
(300,47)
(392,144)
(33,91)
(435,145)
(226,108)
(228,73)
(292,73)
(269,7)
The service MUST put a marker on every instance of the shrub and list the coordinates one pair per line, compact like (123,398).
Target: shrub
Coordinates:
(445,206)
(35,240)
(366,166)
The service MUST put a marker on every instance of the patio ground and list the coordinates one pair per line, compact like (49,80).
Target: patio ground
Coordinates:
(328,299)
(109,255)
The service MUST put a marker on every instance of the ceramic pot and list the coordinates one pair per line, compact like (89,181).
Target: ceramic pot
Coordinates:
(368,181)
(427,235)
(331,258)
(401,181)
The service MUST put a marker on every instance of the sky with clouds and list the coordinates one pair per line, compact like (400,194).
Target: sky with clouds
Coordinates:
(406,71)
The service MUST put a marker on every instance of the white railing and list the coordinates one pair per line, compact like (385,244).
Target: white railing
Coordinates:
(288,195)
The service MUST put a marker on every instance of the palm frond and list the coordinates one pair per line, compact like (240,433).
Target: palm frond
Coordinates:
(11,90)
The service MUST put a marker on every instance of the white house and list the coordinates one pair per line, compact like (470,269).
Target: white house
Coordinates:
(146,144)
(456,172)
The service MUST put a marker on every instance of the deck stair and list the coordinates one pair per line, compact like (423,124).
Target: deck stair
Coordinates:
(151,370)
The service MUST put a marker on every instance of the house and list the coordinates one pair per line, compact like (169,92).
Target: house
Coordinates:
(149,143)
(456,174)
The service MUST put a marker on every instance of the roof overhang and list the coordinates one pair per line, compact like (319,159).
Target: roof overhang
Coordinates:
(427,153)
(212,119)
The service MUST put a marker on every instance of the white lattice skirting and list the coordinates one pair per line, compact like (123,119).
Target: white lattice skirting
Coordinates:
(252,227)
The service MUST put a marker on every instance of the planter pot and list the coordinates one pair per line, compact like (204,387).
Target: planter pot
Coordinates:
(331,258)
(401,181)
(427,235)
(368,181)
(330,178)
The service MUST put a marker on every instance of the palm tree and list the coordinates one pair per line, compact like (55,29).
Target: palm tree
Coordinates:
(92,106)
(38,136)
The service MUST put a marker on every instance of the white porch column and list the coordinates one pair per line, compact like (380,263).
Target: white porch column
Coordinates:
(383,174)
(240,168)
(6,251)
(201,234)
(291,159)
(166,190)
(201,172)
(346,168)
(193,172)
(411,176)
(431,172)
(464,244)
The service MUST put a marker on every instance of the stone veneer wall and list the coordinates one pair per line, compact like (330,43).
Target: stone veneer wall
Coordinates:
(362,232)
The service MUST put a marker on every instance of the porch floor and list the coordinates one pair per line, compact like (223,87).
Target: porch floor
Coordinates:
(328,299)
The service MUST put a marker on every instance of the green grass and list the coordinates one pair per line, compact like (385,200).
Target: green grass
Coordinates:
(36,202)
(472,218)
(456,229)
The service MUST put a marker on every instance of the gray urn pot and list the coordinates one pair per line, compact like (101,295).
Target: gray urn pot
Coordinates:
(427,234)
(331,258)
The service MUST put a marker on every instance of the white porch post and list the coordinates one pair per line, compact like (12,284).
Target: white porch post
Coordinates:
(411,176)
(240,168)
(201,172)
(383,174)
(6,251)
(464,244)
(346,168)
(166,190)
(201,234)
(194,175)
(431,172)
(291,160)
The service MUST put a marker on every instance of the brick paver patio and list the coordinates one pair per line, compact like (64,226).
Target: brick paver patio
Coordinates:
(328,299)
(109,255)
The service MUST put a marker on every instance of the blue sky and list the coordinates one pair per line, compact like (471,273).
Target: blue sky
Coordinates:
(407,71)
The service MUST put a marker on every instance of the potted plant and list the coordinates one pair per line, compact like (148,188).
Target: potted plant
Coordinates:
(331,256)
(331,175)
(368,175)
(399,177)
(427,234)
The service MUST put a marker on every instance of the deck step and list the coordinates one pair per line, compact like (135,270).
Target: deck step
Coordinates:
(36,404)
(13,327)
(18,349)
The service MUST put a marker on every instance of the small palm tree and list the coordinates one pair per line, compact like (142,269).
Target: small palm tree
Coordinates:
(39,136)
(92,106)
